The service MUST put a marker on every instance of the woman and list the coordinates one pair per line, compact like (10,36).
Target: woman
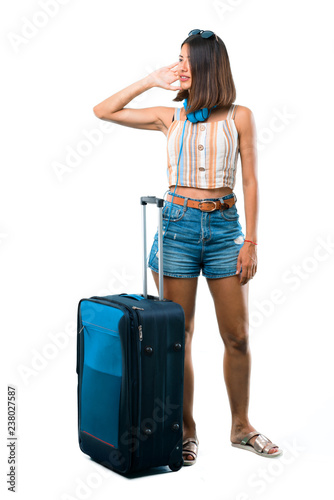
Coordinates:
(206,235)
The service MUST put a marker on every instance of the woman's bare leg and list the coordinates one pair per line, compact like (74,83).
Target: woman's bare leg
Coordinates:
(231,304)
(183,292)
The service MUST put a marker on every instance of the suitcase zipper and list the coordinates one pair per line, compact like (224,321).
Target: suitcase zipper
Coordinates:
(140,328)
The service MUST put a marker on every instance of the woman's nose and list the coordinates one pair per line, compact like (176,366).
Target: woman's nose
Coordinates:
(183,66)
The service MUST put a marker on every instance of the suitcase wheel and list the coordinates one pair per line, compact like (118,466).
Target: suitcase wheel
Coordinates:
(176,466)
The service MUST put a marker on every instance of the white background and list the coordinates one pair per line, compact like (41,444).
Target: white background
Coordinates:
(65,237)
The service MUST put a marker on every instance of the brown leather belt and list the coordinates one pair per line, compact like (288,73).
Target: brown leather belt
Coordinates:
(204,206)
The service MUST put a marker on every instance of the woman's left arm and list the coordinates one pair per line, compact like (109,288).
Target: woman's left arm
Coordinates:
(245,123)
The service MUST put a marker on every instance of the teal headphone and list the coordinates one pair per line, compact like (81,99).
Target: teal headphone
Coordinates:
(198,116)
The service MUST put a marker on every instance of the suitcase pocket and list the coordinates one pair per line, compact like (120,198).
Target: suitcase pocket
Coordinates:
(101,381)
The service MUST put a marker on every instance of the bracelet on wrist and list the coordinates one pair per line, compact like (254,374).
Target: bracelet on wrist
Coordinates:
(251,242)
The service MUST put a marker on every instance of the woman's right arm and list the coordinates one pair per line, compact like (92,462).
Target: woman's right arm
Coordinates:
(154,118)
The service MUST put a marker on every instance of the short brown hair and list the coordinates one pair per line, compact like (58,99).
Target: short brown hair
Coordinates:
(211,76)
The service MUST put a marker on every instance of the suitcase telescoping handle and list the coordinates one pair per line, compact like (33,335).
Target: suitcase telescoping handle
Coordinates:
(159,202)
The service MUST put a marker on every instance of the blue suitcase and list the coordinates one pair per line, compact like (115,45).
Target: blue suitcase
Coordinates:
(130,366)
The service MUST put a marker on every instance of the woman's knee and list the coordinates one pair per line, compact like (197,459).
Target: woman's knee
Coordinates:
(236,339)
(189,330)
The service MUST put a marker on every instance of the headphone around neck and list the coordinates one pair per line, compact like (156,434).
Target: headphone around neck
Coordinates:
(198,116)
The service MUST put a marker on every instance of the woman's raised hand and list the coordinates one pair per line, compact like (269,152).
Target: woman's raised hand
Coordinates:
(165,76)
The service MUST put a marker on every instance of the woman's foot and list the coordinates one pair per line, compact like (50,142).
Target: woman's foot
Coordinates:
(190,450)
(190,433)
(238,433)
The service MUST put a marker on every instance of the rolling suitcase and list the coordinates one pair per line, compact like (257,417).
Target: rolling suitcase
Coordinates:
(130,366)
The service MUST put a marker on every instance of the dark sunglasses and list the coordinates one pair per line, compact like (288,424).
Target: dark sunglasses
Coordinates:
(203,33)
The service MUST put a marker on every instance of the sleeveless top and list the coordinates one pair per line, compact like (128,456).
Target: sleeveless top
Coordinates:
(209,153)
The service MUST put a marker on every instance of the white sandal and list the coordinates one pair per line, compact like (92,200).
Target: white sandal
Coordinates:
(262,445)
(190,447)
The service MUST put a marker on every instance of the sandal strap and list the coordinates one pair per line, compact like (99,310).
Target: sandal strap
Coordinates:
(190,440)
(190,445)
(249,436)
(189,452)
(261,443)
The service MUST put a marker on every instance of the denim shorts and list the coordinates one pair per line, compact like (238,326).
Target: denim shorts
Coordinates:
(196,240)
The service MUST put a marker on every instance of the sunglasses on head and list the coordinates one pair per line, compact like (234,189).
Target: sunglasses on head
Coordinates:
(203,33)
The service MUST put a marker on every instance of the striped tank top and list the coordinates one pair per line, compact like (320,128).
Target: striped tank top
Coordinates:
(209,153)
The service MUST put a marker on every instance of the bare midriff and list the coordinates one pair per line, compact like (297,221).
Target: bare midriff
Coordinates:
(190,192)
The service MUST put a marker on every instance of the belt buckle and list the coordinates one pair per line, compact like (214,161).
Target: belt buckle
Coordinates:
(203,210)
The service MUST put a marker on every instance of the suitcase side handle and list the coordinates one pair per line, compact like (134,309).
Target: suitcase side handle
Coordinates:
(159,202)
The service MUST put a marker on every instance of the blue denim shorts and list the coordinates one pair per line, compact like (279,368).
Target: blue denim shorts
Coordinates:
(196,240)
